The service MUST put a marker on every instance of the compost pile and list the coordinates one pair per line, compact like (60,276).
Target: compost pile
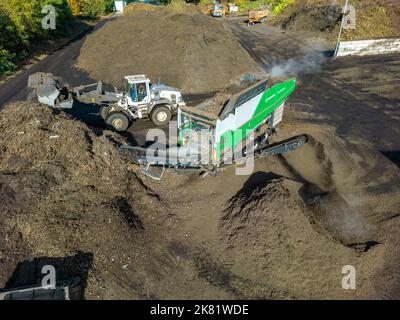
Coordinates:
(328,210)
(373,18)
(187,50)
(274,232)
(65,189)
(250,215)
(318,18)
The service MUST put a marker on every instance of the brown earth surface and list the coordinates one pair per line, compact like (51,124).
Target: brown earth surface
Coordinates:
(285,231)
(186,47)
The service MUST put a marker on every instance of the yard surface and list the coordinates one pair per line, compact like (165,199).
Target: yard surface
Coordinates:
(285,231)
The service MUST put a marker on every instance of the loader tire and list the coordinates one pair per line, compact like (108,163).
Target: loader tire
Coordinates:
(117,121)
(104,110)
(161,116)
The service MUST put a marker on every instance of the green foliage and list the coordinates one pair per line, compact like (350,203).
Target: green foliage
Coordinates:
(21,24)
(6,64)
(87,8)
(280,5)
(11,37)
(108,6)
(277,6)
(93,8)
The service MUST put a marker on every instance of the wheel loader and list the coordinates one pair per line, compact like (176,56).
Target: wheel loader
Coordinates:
(139,99)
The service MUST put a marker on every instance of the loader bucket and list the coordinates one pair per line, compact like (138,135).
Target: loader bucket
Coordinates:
(47,95)
(42,79)
(48,88)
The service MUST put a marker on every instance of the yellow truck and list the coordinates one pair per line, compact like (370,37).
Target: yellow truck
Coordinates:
(256,16)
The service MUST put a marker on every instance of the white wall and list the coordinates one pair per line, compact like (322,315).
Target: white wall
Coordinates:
(119,5)
(369,47)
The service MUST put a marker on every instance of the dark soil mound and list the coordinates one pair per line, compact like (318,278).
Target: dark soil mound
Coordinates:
(318,18)
(250,216)
(283,208)
(271,230)
(373,19)
(190,51)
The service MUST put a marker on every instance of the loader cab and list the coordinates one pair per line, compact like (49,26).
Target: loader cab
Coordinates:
(137,89)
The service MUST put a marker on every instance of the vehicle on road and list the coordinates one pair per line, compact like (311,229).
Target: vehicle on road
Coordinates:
(139,99)
(257,16)
(218,10)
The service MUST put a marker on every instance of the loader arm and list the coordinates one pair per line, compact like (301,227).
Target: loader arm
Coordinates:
(52,92)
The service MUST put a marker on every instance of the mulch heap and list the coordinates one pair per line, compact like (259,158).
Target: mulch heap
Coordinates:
(65,189)
(184,48)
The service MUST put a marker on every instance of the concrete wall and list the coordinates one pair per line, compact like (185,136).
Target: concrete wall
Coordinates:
(119,5)
(369,47)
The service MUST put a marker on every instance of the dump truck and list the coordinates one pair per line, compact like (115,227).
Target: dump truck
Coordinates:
(208,141)
(139,99)
(257,16)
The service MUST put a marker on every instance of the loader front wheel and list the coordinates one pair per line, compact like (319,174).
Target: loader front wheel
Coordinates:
(104,110)
(117,121)
(161,116)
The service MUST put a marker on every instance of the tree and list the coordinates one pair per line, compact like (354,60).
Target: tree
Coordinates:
(21,24)
(109,6)
(88,8)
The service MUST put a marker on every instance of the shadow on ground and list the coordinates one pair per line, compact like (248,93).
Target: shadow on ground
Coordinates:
(73,268)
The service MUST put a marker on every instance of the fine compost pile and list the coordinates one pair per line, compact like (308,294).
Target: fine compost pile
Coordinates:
(250,215)
(272,227)
(187,50)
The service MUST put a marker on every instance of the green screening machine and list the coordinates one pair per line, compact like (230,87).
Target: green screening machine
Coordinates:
(240,131)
